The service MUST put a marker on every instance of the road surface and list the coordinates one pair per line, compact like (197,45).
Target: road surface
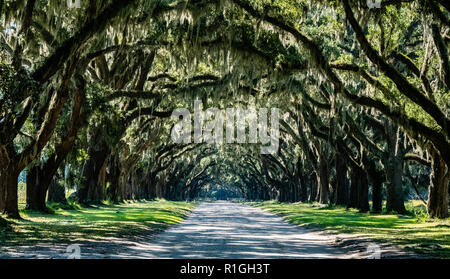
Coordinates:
(231,230)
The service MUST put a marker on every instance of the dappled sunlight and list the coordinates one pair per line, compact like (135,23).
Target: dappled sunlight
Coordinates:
(93,224)
(226,230)
(403,230)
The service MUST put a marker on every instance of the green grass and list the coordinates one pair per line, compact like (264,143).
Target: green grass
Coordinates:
(96,223)
(413,231)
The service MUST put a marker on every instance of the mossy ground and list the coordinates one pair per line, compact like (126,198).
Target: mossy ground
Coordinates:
(414,231)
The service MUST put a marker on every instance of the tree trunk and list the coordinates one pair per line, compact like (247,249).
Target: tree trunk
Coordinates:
(9,174)
(2,196)
(377,198)
(293,192)
(46,172)
(341,185)
(303,188)
(57,193)
(8,182)
(97,193)
(363,192)
(438,191)
(394,171)
(116,179)
(4,160)
(152,186)
(376,179)
(37,185)
(2,193)
(394,190)
(123,192)
(313,187)
(324,181)
(90,191)
(353,197)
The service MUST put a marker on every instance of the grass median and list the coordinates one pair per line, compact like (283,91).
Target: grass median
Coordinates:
(93,223)
(415,231)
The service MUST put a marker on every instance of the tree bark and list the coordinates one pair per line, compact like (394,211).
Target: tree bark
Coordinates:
(57,193)
(363,192)
(3,165)
(98,193)
(324,181)
(90,190)
(113,178)
(313,187)
(394,191)
(37,185)
(438,191)
(376,179)
(359,190)
(353,197)
(9,184)
(394,171)
(341,185)
(303,187)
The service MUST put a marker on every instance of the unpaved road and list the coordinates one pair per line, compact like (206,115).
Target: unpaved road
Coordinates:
(230,230)
(213,230)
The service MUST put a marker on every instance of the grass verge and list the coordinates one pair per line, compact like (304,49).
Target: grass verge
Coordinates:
(414,232)
(95,223)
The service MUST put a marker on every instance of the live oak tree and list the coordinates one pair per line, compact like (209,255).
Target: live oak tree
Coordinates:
(363,94)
